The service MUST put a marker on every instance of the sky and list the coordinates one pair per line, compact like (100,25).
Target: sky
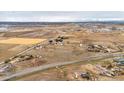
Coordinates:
(57,16)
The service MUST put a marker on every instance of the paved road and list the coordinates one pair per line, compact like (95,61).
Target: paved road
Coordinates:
(44,67)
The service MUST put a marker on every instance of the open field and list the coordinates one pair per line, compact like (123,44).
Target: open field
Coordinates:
(24,47)
(24,41)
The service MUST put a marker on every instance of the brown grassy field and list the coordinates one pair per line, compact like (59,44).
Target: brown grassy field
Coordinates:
(24,41)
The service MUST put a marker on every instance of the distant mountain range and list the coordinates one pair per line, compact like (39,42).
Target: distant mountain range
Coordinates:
(46,23)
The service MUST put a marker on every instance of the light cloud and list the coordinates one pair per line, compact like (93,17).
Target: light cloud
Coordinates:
(57,16)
